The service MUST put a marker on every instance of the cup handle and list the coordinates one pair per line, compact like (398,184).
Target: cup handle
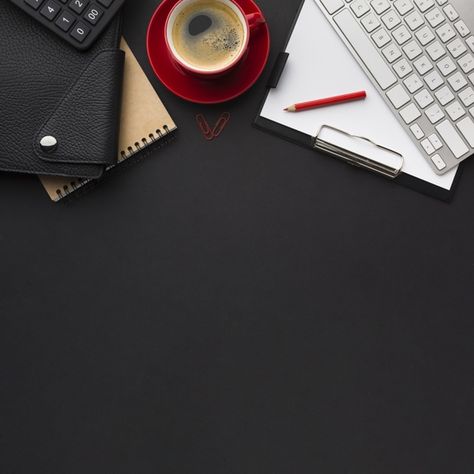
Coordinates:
(255,20)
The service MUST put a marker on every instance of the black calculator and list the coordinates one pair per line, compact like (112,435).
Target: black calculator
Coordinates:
(79,22)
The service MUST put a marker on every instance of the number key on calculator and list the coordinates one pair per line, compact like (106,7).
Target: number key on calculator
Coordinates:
(79,22)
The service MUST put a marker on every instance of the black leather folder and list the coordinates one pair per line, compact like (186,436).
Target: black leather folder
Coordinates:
(59,107)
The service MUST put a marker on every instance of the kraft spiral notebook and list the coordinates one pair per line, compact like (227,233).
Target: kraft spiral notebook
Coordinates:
(145,123)
(316,63)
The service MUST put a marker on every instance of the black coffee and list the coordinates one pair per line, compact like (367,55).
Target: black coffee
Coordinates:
(208,34)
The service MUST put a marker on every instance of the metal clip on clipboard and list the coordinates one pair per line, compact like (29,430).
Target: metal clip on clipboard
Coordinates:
(389,169)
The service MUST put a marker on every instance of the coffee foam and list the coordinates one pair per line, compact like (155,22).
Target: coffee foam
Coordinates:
(216,46)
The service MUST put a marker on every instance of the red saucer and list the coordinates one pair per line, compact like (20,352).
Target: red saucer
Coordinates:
(210,91)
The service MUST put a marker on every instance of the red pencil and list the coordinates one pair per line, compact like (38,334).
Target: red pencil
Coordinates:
(339,99)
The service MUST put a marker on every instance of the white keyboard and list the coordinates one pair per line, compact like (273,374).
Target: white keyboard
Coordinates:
(420,56)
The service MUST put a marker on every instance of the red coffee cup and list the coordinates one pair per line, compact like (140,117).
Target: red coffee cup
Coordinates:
(248,23)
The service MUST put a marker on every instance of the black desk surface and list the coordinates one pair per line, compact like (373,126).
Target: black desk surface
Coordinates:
(241,306)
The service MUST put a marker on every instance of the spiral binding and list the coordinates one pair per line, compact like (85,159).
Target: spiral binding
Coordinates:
(154,137)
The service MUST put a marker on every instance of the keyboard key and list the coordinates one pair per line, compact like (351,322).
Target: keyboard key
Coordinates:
(392,53)
(446,33)
(424,98)
(366,51)
(455,111)
(435,17)
(424,5)
(466,126)
(467,63)
(444,95)
(398,97)
(50,10)
(435,51)
(80,32)
(434,80)
(391,20)
(380,6)
(467,97)
(417,131)
(435,141)
(65,20)
(332,6)
(452,138)
(370,22)
(470,43)
(403,6)
(446,66)
(434,114)
(457,48)
(402,35)
(412,50)
(428,147)
(410,113)
(402,68)
(381,38)
(423,65)
(438,162)
(425,35)
(462,28)
(451,12)
(457,81)
(414,20)
(413,83)
(360,8)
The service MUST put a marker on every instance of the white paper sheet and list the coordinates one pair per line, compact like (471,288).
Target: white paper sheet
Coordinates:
(319,66)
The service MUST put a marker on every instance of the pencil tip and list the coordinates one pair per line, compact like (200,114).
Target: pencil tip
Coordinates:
(286,110)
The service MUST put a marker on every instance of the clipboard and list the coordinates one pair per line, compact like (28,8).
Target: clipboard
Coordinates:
(364,134)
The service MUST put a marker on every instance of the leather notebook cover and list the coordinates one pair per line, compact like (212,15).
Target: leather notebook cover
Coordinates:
(49,88)
(144,123)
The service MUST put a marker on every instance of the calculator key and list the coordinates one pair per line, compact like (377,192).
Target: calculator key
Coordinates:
(93,14)
(65,20)
(80,32)
(78,6)
(50,10)
(34,3)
